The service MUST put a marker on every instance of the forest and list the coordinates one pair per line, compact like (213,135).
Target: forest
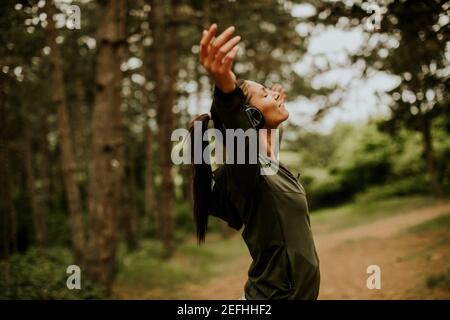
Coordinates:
(91,91)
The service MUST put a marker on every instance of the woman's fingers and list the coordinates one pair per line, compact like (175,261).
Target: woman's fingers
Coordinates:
(218,42)
(277,87)
(280,91)
(228,60)
(227,47)
(217,55)
(207,36)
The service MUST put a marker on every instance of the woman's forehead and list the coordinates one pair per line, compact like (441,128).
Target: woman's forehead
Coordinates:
(253,86)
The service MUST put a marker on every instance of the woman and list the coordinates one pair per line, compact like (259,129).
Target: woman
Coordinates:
(272,208)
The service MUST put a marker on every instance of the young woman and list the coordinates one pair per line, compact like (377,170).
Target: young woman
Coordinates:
(272,208)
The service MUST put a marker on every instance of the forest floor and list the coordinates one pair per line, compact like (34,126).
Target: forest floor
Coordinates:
(411,247)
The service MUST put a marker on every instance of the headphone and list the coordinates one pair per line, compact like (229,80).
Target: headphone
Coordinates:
(255,116)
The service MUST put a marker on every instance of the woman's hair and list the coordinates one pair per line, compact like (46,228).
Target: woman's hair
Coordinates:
(244,86)
(202,174)
(201,181)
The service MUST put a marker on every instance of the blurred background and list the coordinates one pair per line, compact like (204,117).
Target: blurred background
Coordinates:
(90,92)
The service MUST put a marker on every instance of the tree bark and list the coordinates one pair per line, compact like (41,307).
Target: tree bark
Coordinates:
(165,71)
(152,212)
(65,136)
(38,210)
(129,216)
(107,149)
(425,126)
(7,212)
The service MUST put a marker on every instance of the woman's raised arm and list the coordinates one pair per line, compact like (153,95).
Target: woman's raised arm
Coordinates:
(217,55)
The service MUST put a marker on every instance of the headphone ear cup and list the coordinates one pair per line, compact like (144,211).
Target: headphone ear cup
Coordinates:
(255,116)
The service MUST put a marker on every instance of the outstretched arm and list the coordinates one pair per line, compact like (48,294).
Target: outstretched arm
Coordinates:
(217,55)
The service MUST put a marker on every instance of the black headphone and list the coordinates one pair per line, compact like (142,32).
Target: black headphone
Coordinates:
(255,116)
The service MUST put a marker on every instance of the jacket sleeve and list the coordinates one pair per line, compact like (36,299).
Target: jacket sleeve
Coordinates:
(229,110)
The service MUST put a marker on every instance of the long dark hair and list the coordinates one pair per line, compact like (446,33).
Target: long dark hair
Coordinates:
(202,173)
(202,181)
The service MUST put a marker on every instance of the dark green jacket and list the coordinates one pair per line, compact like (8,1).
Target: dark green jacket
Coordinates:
(274,212)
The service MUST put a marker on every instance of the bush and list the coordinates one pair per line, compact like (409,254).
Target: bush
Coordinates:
(41,274)
(406,186)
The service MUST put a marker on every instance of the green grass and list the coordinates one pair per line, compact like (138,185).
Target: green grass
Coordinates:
(440,280)
(439,223)
(146,269)
(360,212)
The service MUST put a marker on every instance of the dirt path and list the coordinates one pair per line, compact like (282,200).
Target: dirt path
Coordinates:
(405,261)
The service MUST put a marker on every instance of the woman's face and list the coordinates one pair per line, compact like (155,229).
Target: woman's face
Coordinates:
(269,102)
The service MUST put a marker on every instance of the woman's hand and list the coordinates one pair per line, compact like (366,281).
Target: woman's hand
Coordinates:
(217,55)
(280,90)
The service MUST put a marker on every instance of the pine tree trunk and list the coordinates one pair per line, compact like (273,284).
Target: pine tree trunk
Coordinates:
(39,221)
(165,71)
(65,136)
(129,216)
(429,154)
(107,149)
(187,184)
(152,212)
(7,212)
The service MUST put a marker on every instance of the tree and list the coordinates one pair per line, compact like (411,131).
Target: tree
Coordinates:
(165,74)
(65,136)
(411,44)
(107,145)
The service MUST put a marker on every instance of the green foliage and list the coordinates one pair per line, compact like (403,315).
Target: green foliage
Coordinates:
(146,269)
(439,223)
(41,274)
(368,164)
(184,220)
(364,211)
(403,187)
(441,281)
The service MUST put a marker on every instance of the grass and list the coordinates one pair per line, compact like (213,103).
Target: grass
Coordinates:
(439,223)
(146,270)
(146,274)
(438,229)
(356,213)
(440,280)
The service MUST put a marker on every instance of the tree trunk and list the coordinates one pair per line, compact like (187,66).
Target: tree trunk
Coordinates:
(425,126)
(129,216)
(38,211)
(165,71)
(187,184)
(7,212)
(107,149)
(152,212)
(65,136)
